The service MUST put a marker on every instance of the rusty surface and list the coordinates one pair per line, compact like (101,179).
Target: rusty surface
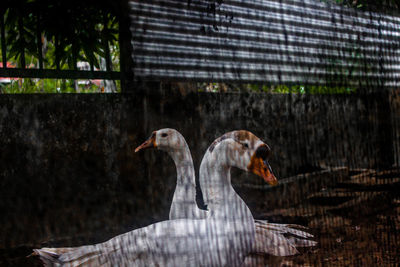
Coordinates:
(270,41)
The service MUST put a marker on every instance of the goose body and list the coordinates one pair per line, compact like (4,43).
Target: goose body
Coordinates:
(226,235)
(222,239)
(269,238)
(180,242)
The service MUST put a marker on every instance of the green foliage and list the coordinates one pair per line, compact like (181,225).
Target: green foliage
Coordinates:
(301,89)
(388,6)
(70,31)
(278,89)
(62,33)
(31,86)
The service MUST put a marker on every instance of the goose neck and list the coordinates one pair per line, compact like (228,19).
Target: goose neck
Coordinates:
(215,181)
(184,166)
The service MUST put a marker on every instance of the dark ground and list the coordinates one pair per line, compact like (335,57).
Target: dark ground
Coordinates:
(356,223)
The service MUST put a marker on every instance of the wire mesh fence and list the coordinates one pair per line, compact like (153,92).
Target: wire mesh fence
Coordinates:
(70,176)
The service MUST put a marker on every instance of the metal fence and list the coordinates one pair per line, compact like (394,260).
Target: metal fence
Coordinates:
(266,41)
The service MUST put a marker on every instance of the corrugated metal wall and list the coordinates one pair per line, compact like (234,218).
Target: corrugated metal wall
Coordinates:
(267,41)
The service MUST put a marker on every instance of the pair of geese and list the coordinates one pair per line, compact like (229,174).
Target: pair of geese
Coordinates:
(224,235)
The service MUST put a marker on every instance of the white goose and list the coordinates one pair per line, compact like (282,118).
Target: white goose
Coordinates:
(223,239)
(269,237)
(183,204)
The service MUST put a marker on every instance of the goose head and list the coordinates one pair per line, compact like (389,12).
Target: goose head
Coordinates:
(166,139)
(244,150)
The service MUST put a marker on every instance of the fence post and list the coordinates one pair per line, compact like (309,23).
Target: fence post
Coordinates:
(126,62)
(385,129)
(3,39)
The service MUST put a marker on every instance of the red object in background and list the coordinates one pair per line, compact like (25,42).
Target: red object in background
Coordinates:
(7,79)
(96,82)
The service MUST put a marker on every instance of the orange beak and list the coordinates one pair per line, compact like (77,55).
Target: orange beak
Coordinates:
(261,167)
(151,142)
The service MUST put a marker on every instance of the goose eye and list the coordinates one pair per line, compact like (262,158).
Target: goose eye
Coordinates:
(262,152)
(164,135)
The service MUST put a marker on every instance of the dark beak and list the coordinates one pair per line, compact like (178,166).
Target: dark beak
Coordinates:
(270,177)
(262,168)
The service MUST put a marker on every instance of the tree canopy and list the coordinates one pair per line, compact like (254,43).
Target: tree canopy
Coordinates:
(78,30)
